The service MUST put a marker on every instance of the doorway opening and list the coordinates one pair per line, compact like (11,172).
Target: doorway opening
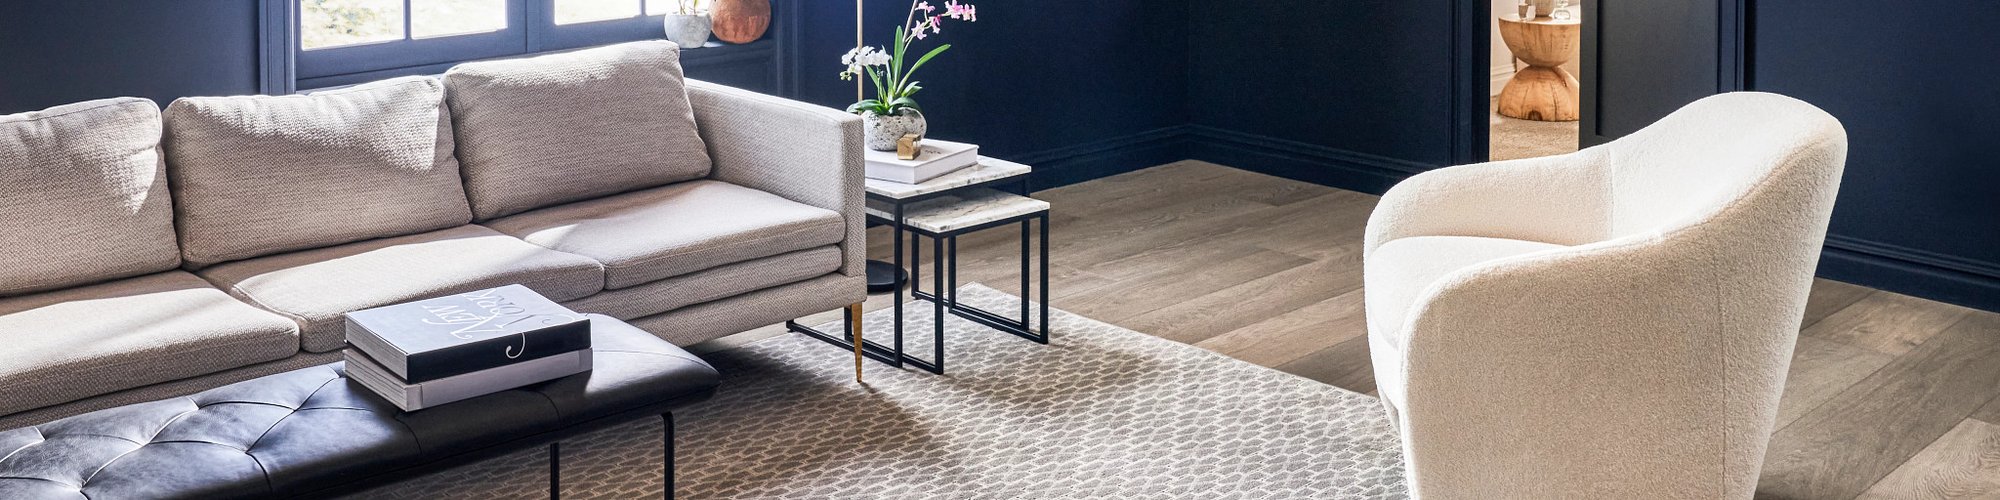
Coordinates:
(1533,103)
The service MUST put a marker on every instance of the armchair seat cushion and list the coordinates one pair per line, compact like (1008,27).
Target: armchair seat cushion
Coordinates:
(1399,271)
(315,287)
(75,343)
(646,236)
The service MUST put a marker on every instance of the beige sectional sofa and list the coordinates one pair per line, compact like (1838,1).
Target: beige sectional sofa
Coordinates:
(152,253)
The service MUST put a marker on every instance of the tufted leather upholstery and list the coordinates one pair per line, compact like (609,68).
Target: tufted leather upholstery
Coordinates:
(310,429)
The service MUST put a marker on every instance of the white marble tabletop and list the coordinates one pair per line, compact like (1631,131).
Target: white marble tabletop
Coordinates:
(962,210)
(988,169)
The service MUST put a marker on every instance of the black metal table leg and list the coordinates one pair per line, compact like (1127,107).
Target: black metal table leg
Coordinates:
(1025,223)
(937,322)
(555,470)
(667,421)
(1045,279)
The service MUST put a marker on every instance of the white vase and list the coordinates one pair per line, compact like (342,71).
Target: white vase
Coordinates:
(689,30)
(881,132)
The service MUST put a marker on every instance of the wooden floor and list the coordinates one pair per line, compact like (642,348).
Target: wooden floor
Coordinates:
(1890,396)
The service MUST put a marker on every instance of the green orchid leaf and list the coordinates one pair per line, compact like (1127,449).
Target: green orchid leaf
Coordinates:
(881,89)
(864,105)
(921,60)
(896,58)
(904,102)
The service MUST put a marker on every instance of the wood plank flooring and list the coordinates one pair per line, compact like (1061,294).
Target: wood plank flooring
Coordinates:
(1889,396)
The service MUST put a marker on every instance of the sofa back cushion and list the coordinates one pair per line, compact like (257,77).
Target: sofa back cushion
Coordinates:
(258,175)
(544,130)
(83,195)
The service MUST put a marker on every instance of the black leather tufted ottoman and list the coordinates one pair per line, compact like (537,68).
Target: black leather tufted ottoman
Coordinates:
(312,433)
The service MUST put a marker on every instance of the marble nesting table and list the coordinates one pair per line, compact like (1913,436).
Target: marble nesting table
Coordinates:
(942,209)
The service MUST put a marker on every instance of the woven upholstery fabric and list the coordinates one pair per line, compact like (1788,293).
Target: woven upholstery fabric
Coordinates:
(304,431)
(1409,265)
(676,229)
(711,284)
(84,195)
(180,387)
(732,315)
(260,175)
(1643,359)
(805,153)
(539,131)
(70,344)
(315,287)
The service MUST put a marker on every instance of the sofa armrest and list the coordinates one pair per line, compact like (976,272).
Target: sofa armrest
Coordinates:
(805,153)
(1563,200)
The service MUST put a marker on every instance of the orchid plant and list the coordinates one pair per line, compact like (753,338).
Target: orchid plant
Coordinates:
(689,8)
(894,83)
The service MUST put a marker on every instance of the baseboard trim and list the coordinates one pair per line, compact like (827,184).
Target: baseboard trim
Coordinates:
(1104,158)
(1911,271)
(1300,161)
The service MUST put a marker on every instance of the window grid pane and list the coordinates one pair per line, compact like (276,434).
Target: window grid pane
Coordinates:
(334,23)
(434,18)
(583,11)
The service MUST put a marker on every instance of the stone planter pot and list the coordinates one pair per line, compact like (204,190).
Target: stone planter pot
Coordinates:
(688,30)
(881,132)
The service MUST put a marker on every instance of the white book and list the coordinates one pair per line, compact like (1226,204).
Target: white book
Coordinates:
(413,397)
(936,157)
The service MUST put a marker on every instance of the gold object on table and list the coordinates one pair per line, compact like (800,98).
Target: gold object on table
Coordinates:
(909,147)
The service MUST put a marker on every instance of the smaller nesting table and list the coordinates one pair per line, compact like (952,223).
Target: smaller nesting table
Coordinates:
(943,209)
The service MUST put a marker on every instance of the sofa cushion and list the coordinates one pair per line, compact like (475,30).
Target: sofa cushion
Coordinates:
(711,284)
(676,229)
(1399,272)
(259,175)
(71,344)
(540,131)
(84,195)
(315,287)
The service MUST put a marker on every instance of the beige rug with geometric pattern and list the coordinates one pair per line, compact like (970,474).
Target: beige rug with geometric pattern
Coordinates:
(1101,412)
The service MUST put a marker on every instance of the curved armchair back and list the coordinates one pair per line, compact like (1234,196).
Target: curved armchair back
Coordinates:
(1719,152)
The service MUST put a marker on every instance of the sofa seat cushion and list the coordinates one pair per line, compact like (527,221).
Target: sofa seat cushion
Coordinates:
(672,230)
(711,284)
(71,344)
(539,131)
(83,195)
(262,175)
(1398,272)
(315,287)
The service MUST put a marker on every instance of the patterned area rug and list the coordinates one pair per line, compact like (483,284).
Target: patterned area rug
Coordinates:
(1102,412)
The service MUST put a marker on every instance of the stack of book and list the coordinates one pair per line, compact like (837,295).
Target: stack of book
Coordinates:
(934,158)
(431,352)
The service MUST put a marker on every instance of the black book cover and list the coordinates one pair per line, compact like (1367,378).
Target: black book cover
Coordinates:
(445,336)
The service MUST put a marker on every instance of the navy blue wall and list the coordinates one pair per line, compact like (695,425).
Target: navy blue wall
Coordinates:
(55,52)
(1079,89)
(1354,94)
(1919,208)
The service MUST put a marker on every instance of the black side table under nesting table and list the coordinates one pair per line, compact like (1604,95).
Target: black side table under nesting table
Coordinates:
(943,209)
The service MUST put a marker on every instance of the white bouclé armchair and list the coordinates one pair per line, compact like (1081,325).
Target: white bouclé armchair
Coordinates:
(1612,323)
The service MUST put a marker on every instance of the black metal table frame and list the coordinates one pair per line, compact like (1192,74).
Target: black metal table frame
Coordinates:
(947,267)
(552,439)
